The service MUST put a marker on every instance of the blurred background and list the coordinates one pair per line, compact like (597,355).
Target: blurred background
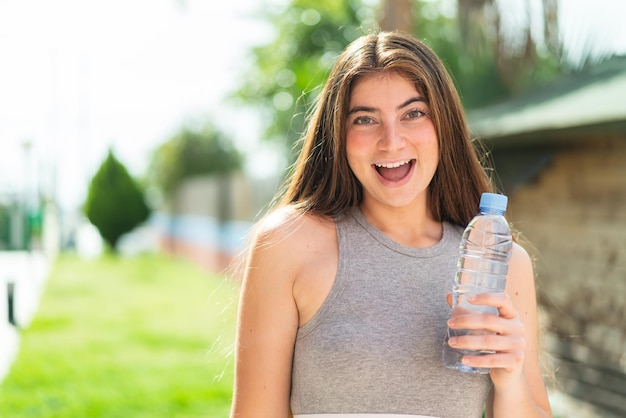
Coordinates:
(139,141)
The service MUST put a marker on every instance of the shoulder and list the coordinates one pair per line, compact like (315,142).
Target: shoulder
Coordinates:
(521,278)
(288,225)
(289,236)
(521,262)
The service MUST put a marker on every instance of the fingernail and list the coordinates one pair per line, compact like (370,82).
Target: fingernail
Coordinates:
(451,322)
(465,360)
(452,341)
(473,298)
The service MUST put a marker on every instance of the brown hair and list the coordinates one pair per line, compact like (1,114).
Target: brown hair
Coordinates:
(321,181)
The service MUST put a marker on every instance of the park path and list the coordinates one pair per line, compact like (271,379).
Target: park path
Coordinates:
(23,275)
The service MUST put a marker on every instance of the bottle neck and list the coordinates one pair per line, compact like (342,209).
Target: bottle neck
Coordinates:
(491,211)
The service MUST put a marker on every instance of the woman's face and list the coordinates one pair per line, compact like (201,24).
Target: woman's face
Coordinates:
(391,143)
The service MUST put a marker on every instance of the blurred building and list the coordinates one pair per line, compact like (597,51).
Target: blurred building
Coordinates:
(209,217)
(29,242)
(560,155)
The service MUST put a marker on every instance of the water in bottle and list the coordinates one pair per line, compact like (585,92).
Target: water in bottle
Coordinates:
(485,250)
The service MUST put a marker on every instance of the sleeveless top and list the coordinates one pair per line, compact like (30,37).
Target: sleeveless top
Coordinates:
(374,346)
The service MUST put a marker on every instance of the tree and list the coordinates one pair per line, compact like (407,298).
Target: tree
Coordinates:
(115,204)
(192,152)
(488,60)
(285,75)
(491,47)
(511,57)
(396,15)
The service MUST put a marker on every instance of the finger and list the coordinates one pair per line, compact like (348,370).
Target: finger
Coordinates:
(506,360)
(507,310)
(488,342)
(488,324)
(499,300)
(475,321)
(495,299)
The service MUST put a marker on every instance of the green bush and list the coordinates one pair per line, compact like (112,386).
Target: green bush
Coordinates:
(115,203)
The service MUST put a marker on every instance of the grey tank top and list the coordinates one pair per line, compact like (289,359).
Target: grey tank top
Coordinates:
(374,346)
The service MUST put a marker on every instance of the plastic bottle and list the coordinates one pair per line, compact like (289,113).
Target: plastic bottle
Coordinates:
(485,250)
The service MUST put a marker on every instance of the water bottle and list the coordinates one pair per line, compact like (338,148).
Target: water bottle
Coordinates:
(485,250)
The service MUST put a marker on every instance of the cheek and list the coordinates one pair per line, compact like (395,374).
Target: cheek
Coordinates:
(428,154)
(356,147)
(354,142)
(433,148)
(353,164)
(428,142)
(357,156)
(434,154)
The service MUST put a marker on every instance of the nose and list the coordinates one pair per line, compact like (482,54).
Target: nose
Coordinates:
(392,138)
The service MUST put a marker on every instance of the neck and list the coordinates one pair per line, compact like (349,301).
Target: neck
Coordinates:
(411,225)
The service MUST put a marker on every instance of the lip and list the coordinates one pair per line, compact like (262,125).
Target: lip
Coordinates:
(391,183)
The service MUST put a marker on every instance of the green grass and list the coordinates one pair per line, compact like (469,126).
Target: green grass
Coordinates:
(142,337)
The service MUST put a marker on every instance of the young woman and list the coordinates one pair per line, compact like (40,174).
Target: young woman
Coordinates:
(343,307)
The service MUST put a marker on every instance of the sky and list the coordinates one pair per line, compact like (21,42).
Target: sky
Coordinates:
(78,77)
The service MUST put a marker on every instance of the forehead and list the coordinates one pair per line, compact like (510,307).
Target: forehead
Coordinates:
(374,85)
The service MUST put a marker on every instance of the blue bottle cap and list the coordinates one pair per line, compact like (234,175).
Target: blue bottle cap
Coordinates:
(493,201)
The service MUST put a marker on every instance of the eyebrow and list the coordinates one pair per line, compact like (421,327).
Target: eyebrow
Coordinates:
(373,109)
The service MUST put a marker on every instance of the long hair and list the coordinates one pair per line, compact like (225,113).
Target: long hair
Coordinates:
(321,182)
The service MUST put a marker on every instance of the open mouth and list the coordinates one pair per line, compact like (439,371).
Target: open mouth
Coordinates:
(394,171)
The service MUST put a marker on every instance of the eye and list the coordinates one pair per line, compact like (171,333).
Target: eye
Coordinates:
(415,114)
(363,120)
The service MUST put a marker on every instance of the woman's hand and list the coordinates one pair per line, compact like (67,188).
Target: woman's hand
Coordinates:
(512,337)
(504,337)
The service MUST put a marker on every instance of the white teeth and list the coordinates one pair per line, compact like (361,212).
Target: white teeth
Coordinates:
(392,165)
